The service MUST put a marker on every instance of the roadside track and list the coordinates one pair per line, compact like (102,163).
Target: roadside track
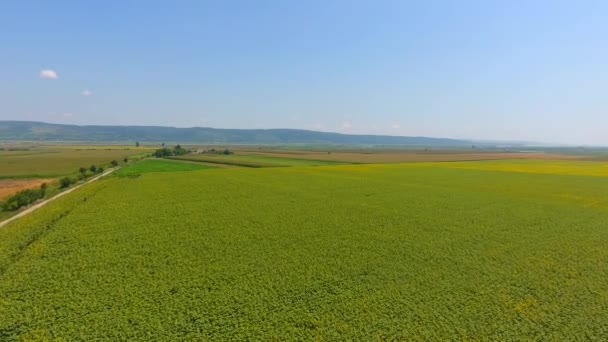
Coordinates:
(43,203)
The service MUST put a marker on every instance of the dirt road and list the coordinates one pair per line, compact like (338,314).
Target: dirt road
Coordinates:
(43,203)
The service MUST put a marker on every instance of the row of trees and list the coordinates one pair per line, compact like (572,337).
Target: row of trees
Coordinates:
(28,196)
(83,173)
(24,198)
(214,151)
(93,168)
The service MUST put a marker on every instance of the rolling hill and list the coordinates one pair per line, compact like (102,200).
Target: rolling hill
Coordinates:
(39,131)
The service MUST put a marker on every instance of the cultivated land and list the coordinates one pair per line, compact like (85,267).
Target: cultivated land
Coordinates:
(26,165)
(400,156)
(500,250)
(559,167)
(246,160)
(271,157)
(159,165)
(54,162)
(11,186)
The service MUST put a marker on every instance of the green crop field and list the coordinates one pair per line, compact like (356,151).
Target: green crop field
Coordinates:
(254,160)
(48,162)
(347,252)
(563,167)
(159,165)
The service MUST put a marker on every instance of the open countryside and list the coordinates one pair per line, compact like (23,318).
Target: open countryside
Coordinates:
(304,171)
(507,249)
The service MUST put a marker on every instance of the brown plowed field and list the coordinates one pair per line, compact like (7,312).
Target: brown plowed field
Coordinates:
(11,186)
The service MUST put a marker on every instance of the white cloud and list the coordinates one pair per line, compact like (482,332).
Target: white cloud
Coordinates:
(67,115)
(86,92)
(346,125)
(48,74)
(395,126)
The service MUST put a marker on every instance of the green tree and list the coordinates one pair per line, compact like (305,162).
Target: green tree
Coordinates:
(65,182)
(93,168)
(114,163)
(137,144)
(163,152)
(178,150)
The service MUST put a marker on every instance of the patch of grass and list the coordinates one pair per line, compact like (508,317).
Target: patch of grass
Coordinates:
(352,252)
(159,165)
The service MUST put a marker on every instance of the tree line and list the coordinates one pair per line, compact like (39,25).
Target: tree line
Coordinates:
(178,150)
(26,197)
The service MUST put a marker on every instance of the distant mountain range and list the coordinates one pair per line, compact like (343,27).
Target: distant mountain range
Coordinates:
(39,131)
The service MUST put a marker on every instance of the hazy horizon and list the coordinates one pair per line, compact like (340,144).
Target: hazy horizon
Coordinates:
(514,71)
(471,140)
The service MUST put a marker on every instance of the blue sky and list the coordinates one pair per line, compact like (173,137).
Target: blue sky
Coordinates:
(516,70)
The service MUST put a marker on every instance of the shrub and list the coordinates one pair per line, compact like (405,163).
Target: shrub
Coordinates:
(23,198)
(65,182)
(114,163)
(93,168)
(163,152)
(178,150)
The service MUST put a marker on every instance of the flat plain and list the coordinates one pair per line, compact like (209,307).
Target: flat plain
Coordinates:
(47,162)
(254,160)
(400,155)
(396,252)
